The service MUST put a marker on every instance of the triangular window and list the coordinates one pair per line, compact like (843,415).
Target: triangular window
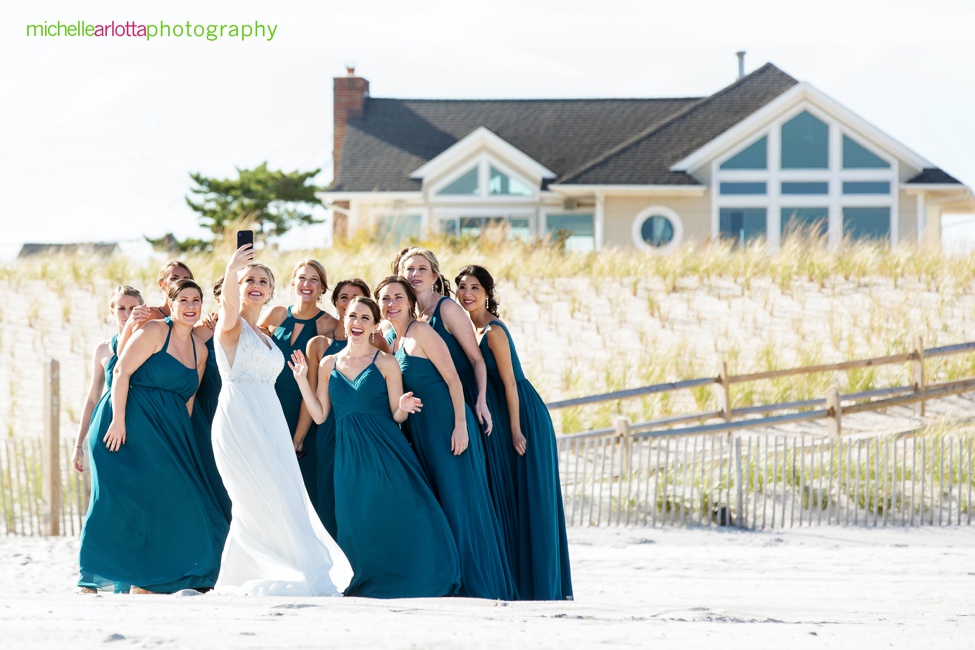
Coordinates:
(805,143)
(465,185)
(504,185)
(754,156)
(856,156)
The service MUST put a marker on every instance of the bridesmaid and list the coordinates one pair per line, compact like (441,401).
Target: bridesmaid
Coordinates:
(292,328)
(446,440)
(154,522)
(542,551)
(390,525)
(209,391)
(420,267)
(205,403)
(103,359)
(318,348)
(172,271)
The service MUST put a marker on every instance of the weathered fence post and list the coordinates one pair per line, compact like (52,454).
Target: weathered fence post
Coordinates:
(625,437)
(739,486)
(723,391)
(834,412)
(50,448)
(918,364)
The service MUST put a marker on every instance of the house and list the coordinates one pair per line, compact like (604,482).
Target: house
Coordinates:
(87,249)
(755,159)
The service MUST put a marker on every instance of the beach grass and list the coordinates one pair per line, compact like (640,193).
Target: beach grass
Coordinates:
(584,323)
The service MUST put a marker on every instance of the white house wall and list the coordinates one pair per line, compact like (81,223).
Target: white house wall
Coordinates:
(907,218)
(694,212)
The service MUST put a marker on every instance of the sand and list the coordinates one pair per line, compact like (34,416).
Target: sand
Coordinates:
(679,588)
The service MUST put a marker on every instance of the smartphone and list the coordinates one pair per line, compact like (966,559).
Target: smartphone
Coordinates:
(245,237)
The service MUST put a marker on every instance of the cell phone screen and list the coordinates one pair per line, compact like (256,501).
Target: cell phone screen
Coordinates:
(245,237)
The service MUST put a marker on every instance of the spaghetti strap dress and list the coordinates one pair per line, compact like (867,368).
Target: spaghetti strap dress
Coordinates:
(290,395)
(542,554)
(153,522)
(390,524)
(204,407)
(459,482)
(325,448)
(90,581)
(463,365)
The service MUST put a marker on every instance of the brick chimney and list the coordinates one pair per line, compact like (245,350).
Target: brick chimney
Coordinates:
(349,97)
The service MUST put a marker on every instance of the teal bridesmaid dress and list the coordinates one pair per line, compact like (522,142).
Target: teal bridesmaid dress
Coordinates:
(290,395)
(153,520)
(390,525)
(499,455)
(325,448)
(459,482)
(204,406)
(497,446)
(542,553)
(88,580)
(464,368)
(209,391)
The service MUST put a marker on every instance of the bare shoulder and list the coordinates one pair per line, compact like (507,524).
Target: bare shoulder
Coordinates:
(273,317)
(155,328)
(495,333)
(386,362)
(327,364)
(316,346)
(451,308)
(422,331)
(327,324)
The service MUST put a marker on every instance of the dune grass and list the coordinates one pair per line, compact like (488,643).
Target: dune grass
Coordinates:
(587,323)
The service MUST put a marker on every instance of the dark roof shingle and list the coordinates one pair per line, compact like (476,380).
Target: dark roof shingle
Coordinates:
(394,137)
(584,141)
(646,159)
(934,176)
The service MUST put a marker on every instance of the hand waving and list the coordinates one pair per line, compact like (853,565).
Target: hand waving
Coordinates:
(298,364)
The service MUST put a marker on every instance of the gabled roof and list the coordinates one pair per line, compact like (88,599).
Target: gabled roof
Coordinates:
(934,176)
(394,137)
(647,157)
(582,141)
(471,143)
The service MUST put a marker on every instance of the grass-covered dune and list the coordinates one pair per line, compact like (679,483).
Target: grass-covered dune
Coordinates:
(583,323)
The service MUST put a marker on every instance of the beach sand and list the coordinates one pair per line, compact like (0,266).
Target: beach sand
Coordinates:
(670,588)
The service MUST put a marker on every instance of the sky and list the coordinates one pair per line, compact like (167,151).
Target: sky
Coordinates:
(99,135)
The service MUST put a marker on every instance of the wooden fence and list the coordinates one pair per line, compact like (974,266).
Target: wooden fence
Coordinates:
(707,468)
(767,480)
(679,471)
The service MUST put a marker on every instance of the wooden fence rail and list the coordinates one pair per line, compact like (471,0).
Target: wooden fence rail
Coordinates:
(768,480)
(688,475)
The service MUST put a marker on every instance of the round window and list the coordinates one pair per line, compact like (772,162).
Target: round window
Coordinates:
(657,229)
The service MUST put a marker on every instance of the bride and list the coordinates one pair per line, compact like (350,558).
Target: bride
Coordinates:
(277,544)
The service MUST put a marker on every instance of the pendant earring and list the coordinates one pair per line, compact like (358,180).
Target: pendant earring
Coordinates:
(487,303)
(372,338)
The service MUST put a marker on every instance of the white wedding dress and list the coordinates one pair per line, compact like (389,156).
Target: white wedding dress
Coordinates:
(277,544)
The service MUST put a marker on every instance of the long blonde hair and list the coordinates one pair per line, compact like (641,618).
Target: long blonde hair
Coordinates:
(441,285)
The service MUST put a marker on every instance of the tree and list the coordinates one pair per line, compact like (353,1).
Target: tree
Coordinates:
(273,200)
